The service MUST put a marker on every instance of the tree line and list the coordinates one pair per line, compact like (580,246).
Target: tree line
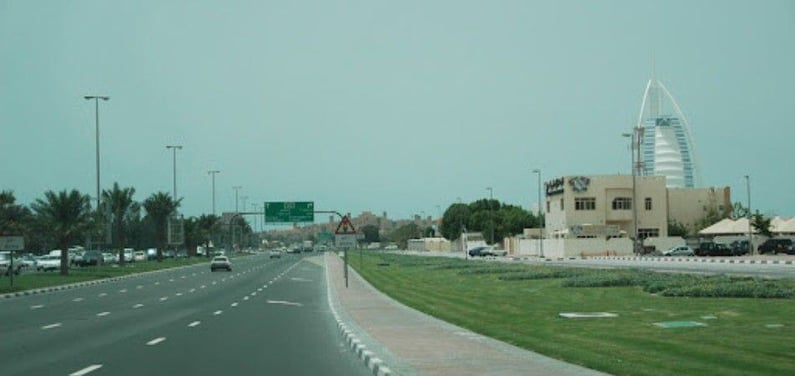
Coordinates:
(61,220)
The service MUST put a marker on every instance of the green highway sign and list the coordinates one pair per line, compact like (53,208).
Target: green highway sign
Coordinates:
(289,212)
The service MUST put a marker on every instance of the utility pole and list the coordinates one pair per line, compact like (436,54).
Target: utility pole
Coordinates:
(750,233)
(491,212)
(212,173)
(174,148)
(540,221)
(237,189)
(96,99)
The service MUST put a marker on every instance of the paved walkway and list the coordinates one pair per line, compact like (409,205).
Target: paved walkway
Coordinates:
(412,343)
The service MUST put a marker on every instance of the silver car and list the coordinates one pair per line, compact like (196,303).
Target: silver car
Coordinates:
(220,262)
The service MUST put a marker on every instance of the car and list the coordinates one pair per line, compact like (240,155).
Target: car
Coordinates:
(220,262)
(776,246)
(681,250)
(27,261)
(391,247)
(48,262)
(169,254)
(139,256)
(108,258)
(739,247)
(90,258)
(481,251)
(713,249)
(275,254)
(5,264)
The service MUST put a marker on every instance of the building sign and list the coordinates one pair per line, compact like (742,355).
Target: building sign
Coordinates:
(555,186)
(579,183)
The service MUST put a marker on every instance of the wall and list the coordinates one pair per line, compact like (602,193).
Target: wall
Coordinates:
(567,248)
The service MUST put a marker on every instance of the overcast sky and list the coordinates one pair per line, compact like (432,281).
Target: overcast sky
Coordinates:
(396,106)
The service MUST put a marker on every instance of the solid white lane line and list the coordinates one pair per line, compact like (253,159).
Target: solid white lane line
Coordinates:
(77,299)
(38,306)
(195,323)
(216,313)
(87,370)
(285,303)
(51,326)
(139,305)
(155,341)
(103,313)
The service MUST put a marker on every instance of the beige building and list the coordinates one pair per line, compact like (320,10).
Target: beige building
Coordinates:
(602,207)
(595,215)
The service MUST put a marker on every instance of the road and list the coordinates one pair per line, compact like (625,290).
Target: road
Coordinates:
(265,317)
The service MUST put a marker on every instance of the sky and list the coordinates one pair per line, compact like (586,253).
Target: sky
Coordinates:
(401,107)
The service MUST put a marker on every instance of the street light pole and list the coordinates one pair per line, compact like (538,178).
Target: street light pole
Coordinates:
(213,172)
(635,146)
(491,212)
(748,215)
(96,99)
(540,223)
(174,150)
(237,189)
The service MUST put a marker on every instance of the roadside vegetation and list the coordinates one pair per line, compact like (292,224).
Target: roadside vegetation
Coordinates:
(749,322)
(32,281)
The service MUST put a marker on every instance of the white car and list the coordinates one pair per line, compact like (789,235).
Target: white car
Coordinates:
(49,262)
(139,256)
(681,250)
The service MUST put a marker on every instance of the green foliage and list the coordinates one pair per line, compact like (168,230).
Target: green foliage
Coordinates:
(676,228)
(483,215)
(123,209)
(159,207)
(739,211)
(403,233)
(454,220)
(371,233)
(761,224)
(67,214)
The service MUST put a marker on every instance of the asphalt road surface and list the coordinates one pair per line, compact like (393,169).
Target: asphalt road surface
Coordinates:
(266,317)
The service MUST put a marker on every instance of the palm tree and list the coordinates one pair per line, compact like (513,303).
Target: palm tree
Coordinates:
(122,207)
(68,215)
(207,226)
(159,207)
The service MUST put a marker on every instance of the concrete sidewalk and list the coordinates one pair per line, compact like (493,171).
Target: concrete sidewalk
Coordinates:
(408,342)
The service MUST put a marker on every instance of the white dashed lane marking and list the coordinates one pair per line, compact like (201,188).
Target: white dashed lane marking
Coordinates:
(77,299)
(233,304)
(87,370)
(285,303)
(138,306)
(51,326)
(102,294)
(103,314)
(195,323)
(38,306)
(163,299)
(216,313)
(155,341)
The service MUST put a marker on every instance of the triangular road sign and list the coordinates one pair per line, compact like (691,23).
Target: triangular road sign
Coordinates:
(345,227)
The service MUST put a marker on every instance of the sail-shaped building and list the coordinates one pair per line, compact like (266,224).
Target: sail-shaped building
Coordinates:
(665,143)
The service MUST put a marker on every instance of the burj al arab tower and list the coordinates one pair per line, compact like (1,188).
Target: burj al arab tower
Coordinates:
(665,145)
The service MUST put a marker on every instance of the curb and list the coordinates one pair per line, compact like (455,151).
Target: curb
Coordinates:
(369,358)
(697,260)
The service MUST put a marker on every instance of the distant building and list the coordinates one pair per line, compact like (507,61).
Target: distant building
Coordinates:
(666,145)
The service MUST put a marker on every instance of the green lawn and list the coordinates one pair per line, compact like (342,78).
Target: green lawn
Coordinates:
(36,280)
(524,311)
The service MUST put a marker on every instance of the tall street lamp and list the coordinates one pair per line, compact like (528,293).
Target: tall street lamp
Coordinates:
(491,212)
(96,99)
(540,224)
(174,149)
(748,215)
(635,140)
(212,173)
(237,189)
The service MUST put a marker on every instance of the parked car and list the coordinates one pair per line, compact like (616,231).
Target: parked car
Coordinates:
(739,247)
(481,251)
(5,264)
(108,258)
(713,249)
(90,258)
(220,262)
(776,246)
(681,250)
(27,261)
(139,256)
(275,253)
(48,262)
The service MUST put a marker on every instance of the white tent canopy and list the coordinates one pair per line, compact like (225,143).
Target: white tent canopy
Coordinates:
(727,226)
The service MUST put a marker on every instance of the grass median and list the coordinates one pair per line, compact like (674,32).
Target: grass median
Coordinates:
(520,304)
(37,280)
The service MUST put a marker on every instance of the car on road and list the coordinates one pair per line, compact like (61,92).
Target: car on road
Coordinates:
(5,264)
(681,250)
(713,249)
(220,262)
(48,262)
(776,246)
(739,247)
(481,251)
(275,253)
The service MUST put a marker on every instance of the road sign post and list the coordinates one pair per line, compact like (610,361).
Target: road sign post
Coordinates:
(345,236)
(11,244)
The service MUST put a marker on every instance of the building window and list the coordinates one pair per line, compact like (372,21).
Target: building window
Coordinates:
(561,204)
(622,203)
(585,203)
(644,233)
(648,203)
